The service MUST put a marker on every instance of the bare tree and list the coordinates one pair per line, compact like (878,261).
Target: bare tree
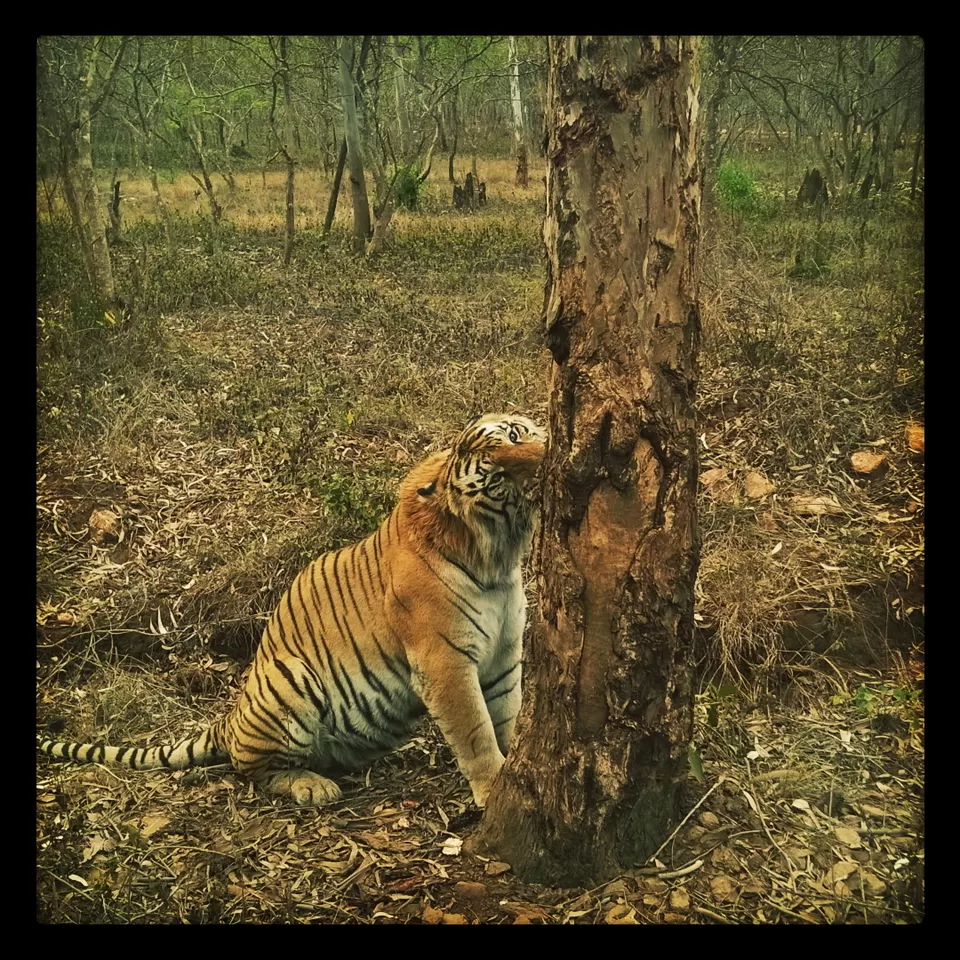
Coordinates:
(519,138)
(74,93)
(592,784)
(358,185)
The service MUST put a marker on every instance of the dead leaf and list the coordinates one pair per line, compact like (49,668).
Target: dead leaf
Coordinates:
(806,505)
(848,836)
(495,867)
(840,871)
(756,486)
(766,521)
(381,840)
(709,477)
(451,846)
(723,889)
(718,483)
(97,844)
(679,900)
(454,918)
(872,884)
(621,913)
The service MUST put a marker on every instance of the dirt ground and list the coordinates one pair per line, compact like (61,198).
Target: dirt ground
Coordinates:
(273,428)
(803,815)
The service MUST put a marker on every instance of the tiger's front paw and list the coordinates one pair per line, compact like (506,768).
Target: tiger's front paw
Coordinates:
(306,787)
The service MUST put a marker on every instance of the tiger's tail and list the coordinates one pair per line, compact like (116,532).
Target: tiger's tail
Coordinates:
(200,750)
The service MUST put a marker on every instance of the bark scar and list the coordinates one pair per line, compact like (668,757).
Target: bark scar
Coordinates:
(603,548)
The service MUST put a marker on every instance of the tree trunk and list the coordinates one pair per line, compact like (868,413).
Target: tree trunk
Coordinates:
(358,185)
(897,117)
(193,133)
(403,114)
(289,152)
(518,134)
(455,124)
(592,786)
(335,190)
(917,153)
(84,199)
(342,154)
(725,51)
(162,208)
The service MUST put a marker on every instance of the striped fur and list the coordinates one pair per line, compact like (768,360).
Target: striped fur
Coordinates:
(426,614)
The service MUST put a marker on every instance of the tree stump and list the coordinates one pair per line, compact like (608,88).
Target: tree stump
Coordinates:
(813,189)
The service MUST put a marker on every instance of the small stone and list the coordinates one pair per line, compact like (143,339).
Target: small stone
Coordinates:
(470,890)
(868,464)
(914,437)
(104,526)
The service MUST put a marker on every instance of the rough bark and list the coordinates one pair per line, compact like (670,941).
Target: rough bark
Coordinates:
(358,184)
(591,786)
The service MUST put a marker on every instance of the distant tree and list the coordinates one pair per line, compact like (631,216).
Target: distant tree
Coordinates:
(76,76)
(519,134)
(358,184)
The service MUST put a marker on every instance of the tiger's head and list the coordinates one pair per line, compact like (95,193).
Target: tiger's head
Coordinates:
(477,499)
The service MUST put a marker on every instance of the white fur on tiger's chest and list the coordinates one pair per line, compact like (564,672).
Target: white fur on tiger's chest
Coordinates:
(501,616)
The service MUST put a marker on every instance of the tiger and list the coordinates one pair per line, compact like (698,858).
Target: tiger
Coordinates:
(426,615)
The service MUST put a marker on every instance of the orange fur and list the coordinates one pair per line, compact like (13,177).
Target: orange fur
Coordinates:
(425,613)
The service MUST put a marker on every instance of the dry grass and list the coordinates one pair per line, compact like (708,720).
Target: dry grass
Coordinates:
(253,417)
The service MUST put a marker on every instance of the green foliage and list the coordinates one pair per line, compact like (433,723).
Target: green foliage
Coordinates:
(355,503)
(407,188)
(888,705)
(737,190)
(714,697)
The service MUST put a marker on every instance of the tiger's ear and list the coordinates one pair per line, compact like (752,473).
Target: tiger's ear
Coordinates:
(428,490)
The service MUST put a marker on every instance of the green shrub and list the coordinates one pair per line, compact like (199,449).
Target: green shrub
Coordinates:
(407,188)
(737,190)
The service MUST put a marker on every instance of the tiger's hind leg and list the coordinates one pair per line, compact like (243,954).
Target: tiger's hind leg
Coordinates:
(277,731)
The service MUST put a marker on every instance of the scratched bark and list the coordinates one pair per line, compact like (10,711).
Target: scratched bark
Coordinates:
(592,785)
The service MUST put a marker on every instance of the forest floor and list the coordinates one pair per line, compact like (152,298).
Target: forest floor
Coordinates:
(263,416)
